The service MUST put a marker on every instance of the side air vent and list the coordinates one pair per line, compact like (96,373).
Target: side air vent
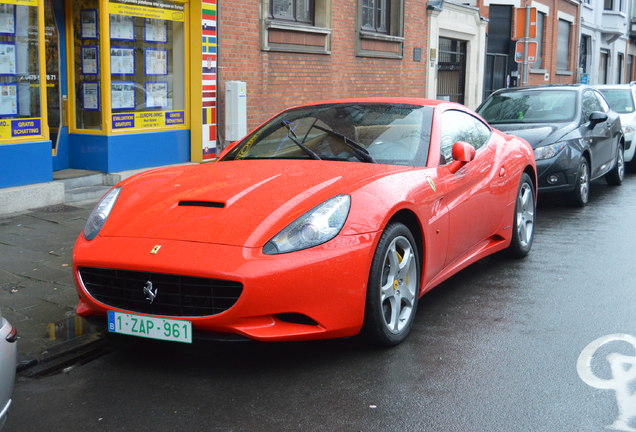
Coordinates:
(201,204)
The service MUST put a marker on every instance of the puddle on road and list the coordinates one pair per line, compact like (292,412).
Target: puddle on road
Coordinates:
(70,328)
(74,341)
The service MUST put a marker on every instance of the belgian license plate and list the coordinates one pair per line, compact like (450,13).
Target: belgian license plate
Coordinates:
(150,327)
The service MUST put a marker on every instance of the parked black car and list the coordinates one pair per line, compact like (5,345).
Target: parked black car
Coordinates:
(575,135)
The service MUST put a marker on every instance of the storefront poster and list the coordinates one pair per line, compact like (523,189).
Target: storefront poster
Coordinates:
(156,9)
(156,61)
(8,99)
(155,30)
(122,60)
(90,64)
(7,59)
(157,94)
(123,95)
(88,20)
(20,127)
(7,19)
(147,119)
(122,27)
(90,96)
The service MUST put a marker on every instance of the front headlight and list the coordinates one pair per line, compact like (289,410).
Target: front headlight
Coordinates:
(100,213)
(317,226)
(627,129)
(546,152)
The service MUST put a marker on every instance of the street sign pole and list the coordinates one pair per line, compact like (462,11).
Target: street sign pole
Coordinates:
(525,43)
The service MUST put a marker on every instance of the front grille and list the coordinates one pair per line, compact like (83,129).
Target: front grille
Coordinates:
(175,295)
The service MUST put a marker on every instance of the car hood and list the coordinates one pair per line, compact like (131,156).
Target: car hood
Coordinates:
(241,203)
(537,135)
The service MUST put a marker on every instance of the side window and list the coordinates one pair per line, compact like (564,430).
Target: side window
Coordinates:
(601,100)
(460,126)
(589,105)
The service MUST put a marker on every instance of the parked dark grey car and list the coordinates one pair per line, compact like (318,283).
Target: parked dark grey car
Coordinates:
(575,135)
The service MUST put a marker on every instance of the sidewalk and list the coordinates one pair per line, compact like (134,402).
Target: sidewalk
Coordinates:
(36,285)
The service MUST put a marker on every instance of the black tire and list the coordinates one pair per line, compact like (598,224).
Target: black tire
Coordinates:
(581,194)
(523,226)
(393,289)
(617,174)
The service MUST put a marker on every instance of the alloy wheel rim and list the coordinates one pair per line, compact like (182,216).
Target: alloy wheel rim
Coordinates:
(525,214)
(584,183)
(620,161)
(398,284)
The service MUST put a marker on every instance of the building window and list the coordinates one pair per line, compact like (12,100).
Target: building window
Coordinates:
(609,5)
(584,52)
(301,11)
(375,15)
(619,70)
(299,26)
(380,33)
(563,46)
(604,67)
(630,68)
(540,26)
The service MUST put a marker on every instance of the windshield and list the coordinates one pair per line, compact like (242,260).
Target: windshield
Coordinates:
(530,106)
(620,100)
(363,132)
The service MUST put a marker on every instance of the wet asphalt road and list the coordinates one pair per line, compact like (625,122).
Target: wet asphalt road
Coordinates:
(493,349)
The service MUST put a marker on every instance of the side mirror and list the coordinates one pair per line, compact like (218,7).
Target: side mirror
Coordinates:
(597,117)
(462,154)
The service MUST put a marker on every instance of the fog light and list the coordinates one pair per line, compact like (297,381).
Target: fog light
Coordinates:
(553,179)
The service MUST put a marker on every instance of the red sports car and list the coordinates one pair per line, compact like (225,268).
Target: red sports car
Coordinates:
(328,220)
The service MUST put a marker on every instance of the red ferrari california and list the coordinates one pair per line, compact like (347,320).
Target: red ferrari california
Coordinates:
(328,220)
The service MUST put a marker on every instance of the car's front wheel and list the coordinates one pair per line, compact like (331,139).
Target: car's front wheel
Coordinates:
(393,287)
(617,174)
(523,234)
(581,194)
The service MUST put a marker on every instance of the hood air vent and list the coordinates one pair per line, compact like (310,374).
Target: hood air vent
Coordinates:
(201,204)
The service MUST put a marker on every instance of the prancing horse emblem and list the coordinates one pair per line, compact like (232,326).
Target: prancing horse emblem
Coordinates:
(150,294)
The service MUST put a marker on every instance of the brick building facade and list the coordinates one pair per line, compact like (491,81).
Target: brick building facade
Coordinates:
(285,63)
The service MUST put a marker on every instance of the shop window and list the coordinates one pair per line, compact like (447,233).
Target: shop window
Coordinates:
(301,26)
(381,28)
(20,85)
(88,106)
(145,61)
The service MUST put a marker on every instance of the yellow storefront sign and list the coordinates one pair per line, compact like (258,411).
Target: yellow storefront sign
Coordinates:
(16,128)
(20,2)
(147,119)
(148,9)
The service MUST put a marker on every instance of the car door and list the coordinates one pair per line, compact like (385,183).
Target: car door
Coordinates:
(599,137)
(474,210)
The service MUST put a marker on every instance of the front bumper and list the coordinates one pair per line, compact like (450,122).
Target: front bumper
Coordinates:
(564,166)
(325,284)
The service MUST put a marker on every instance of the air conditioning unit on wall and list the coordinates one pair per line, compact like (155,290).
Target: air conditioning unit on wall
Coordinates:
(235,110)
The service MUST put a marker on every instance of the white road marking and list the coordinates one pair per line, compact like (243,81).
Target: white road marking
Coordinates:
(623,380)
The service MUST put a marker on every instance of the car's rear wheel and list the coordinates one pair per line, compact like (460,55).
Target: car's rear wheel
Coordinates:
(581,194)
(393,287)
(523,234)
(617,174)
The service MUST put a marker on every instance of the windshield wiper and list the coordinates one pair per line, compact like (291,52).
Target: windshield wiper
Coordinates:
(359,151)
(294,139)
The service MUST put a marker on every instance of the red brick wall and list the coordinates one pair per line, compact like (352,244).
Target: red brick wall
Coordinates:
(276,80)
